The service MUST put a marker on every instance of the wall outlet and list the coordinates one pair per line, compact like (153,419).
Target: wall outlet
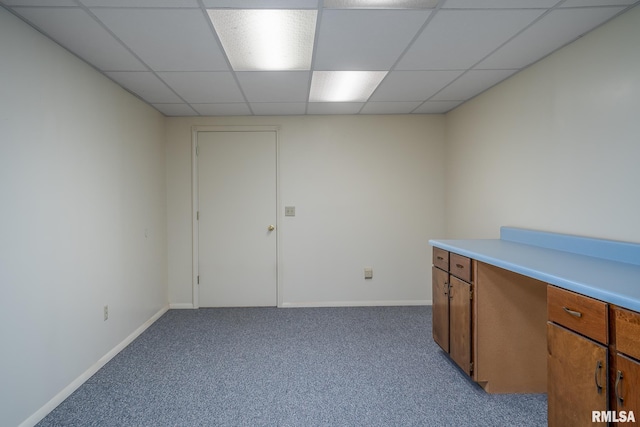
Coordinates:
(289,211)
(368,273)
(106,312)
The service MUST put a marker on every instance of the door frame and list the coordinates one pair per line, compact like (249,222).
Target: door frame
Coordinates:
(195,130)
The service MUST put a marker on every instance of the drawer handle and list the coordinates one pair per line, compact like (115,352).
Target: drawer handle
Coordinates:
(459,265)
(596,376)
(618,381)
(440,258)
(572,312)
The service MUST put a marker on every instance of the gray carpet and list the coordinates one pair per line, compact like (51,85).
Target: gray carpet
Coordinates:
(361,366)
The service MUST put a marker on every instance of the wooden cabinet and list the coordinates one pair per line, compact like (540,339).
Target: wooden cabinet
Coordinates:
(491,322)
(626,385)
(593,359)
(440,302)
(577,363)
(577,377)
(625,372)
(460,296)
(452,308)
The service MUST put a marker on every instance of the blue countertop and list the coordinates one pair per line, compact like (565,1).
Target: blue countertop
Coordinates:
(600,277)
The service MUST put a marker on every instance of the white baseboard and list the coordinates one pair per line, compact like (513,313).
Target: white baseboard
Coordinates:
(37,416)
(355,303)
(180,306)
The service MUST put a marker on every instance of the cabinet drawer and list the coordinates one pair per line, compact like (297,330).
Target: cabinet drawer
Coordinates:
(584,315)
(627,331)
(441,258)
(460,266)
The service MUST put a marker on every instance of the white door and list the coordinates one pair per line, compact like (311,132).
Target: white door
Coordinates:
(237,218)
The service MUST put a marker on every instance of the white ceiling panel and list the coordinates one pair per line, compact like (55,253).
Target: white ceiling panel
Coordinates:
(275,86)
(580,3)
(412,85)
(499,4)
(146,85)
(228,109)
(49,3)
(166,39)
(175,109)
(279,108)
(167,52)
(437,107)
(389,107)
(141,3)
(354,40)
(471,84)
(334,107)
(550,33)
(204,87)
(458,39)
(262,4)
(82,35)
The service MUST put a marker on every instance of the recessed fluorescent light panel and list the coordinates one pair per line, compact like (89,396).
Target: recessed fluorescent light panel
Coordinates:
(380,4)
(344,86)
(260,39)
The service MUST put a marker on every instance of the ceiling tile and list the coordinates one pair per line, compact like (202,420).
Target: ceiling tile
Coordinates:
(352,40)
(457,39)
(146,85)
(39,2)
(204,87)
(81,34)
(499,4)
(471,84)
(141,3)
(380,4)
(175,109)
(437,107)
(167,39)
(412,85)
(279,108)
(262,4)
(579,3)
(275,86)
(334,107)
(550,33)
(389,107)
(228,109)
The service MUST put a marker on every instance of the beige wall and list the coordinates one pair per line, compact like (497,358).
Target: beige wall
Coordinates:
(368,191)
(82,209)
(556,147)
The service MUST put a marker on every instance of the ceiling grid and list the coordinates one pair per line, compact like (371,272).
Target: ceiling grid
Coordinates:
(432,55)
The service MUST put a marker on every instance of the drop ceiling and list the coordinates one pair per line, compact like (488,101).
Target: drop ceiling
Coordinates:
(167,52)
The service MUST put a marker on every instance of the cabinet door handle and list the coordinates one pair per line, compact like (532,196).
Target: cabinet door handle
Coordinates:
(440,258)
(597,376)
(446,288)
(618,394)
(572,312)
(459,265)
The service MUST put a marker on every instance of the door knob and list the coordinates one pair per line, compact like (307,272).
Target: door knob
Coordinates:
(271,227)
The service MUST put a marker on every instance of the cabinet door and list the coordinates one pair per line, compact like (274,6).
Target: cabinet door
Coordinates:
(627,385)
(440,308)
(577,378)
(460,323)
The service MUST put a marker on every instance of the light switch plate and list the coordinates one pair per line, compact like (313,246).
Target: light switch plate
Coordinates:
(289,211)
(368,273)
